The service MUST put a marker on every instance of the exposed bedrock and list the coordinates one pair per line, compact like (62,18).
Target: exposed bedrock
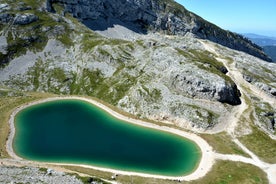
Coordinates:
(206,86)
(153,15)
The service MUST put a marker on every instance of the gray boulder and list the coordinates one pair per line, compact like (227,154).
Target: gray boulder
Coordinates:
(26,18)
(4,7)
(201,84)
(5,18)
(247,78)
(266,88)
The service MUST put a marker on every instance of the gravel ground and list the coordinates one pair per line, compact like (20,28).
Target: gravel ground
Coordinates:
(9,174)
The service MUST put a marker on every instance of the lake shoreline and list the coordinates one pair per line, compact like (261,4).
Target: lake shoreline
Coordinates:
(204,166)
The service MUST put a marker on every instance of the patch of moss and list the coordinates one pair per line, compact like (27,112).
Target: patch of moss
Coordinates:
(91,40)
(88,83)
(120,87)
(35,72)
(211,117)
(34,3)
(223,172)
(261,144)
(227,172)
(42,169)
(222,143)
(89,180)
(150,95)
(205,60)
(58,8)
(58,74)
(65,39)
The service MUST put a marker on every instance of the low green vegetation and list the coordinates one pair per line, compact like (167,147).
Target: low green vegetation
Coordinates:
(89,180)
(206,61)
(150,95)
(42,169)
(261,144)
(222,143)
(90,172)
(33,36)
(223,172)
(174,7)
(120,84)
(54,79)
(206,57)
(227,172)
(91,40)
(258,141)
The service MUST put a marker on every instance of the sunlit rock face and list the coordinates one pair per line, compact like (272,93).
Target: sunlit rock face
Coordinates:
(153,15)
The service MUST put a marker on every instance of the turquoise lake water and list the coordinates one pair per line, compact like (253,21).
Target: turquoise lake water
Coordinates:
(75,131)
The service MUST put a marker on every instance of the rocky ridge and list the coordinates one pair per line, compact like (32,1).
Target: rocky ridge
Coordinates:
(153,15)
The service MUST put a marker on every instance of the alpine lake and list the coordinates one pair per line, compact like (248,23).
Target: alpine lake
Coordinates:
(77,132)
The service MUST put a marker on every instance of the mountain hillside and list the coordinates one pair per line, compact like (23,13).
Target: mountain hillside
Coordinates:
(261,40)
(53,52)
(267,43)
(271,51)
(153,15)
(148,59)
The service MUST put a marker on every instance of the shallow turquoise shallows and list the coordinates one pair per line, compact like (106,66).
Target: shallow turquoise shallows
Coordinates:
(75,131)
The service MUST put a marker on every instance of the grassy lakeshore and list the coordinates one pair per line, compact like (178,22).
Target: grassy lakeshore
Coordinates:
(223,172)
(222,143)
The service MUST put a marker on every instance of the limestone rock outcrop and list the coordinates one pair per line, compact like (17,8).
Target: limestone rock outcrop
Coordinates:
(154,15)
(26,18)
(18,19)
(208,87)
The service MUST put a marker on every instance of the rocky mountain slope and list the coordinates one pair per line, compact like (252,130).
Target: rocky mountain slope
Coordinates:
(260,39)
(271,51)
(267,43)
(168,75)
(153,15)
(10,174)
(150,58)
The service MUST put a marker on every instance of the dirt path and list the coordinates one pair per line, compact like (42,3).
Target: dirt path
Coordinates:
(237,77)
(269,169)
(243,109)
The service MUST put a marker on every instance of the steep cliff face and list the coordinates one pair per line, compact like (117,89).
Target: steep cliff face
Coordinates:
(153,15)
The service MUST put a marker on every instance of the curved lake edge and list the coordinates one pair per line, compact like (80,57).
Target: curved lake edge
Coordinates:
(203,167)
